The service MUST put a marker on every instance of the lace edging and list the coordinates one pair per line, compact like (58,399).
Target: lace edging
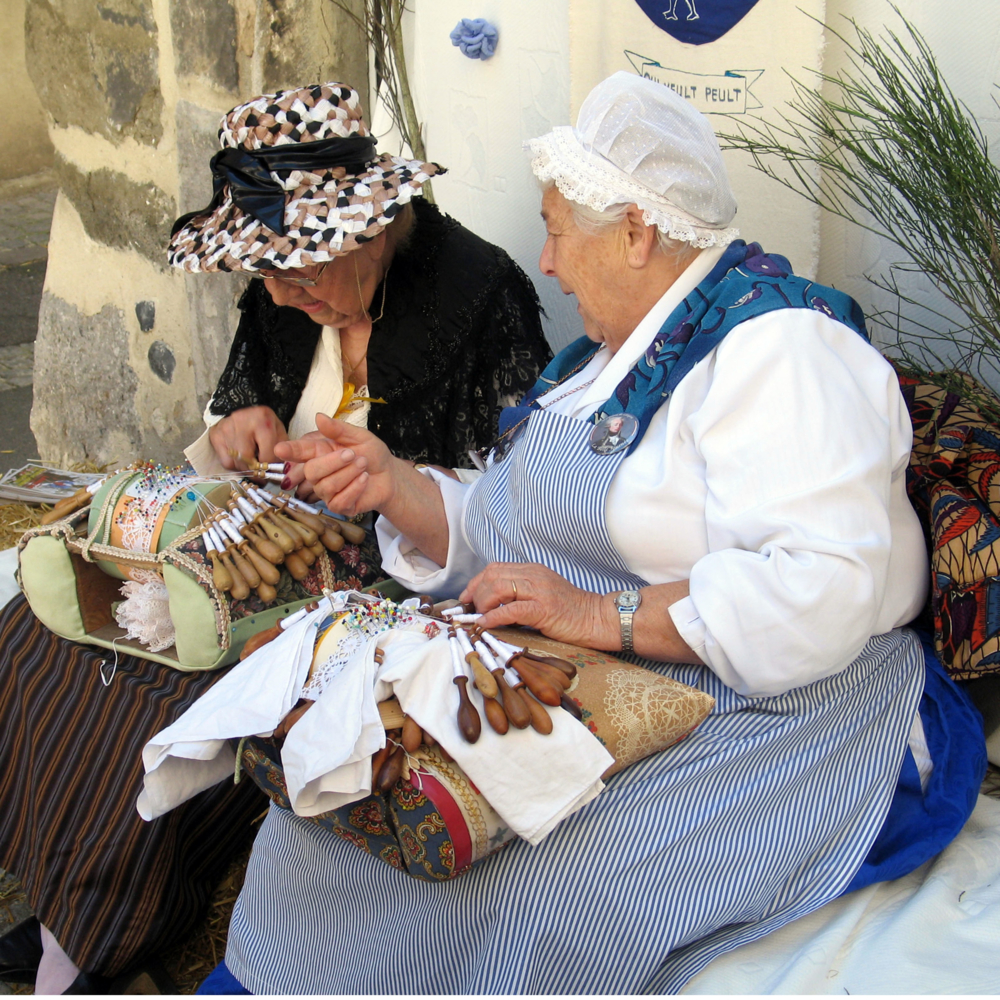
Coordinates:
(606,186)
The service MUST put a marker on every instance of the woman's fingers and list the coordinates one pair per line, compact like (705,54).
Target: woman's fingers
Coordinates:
(350,500)
(304,448)
(507,583)
(294,477)
(338,478)
(535,596)
(337,464)
(245,435)
(266,435)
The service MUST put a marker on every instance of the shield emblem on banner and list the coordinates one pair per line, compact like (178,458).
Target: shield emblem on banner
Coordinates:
(696,21)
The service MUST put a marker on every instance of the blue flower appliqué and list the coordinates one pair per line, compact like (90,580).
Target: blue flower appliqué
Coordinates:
(760,263)
(821,305)
(476,37)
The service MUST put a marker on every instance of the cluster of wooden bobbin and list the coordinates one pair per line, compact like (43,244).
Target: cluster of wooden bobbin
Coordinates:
(258,532)
(514,683)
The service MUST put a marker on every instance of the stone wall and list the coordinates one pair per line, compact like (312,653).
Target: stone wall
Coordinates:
(27,149)
(128,351)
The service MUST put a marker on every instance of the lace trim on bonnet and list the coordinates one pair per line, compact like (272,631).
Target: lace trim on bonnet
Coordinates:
(590,180)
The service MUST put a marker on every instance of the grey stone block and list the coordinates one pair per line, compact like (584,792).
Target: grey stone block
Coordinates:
(205,41)
(20,293)
(312,41)
(197,143)
(85,388)
(95,65)
(213,319)
(118,212)
(211,298)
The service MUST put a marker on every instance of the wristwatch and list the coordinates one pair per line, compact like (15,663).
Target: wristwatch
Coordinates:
(627,603)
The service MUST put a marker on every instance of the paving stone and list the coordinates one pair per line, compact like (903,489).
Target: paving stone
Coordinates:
(24,226)
(20,294)
(16,366)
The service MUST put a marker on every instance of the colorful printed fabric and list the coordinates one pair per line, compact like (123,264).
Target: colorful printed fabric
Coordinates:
(954,484)
(354,567)
(433,824)
(746,282)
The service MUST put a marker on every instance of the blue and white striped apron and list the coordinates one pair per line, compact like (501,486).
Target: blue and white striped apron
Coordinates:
(762,815)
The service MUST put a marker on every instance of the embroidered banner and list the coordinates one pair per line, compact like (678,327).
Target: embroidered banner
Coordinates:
(725,93)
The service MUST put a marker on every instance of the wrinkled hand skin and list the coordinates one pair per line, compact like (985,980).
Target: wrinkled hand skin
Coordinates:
(348,467)
(545,601)
(247,434)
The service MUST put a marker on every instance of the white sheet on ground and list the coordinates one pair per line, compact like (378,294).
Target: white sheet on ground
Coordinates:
(934,931)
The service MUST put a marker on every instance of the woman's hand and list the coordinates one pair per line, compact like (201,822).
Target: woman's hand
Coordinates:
(295,476)
(347,467)
(533,595)
(245,435)
(352,471)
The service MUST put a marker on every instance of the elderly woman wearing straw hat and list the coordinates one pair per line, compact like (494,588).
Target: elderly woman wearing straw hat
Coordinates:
(385,313)
(375,294)
(712,482)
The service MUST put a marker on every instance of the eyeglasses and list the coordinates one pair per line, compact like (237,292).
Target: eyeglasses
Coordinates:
(302,282)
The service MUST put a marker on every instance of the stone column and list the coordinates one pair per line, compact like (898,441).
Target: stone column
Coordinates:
(128,350)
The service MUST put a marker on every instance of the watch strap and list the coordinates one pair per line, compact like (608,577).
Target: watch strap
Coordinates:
(627,603)
(625,621)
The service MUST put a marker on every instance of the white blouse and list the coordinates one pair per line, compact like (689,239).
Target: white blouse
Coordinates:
(323,393)
(772,479)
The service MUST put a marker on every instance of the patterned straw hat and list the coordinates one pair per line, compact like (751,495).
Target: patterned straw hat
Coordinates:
(297,182)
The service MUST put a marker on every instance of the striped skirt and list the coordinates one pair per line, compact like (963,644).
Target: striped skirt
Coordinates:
(111,887)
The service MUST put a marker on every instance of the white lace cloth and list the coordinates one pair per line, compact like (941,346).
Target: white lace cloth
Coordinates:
(145,612)
(532,781)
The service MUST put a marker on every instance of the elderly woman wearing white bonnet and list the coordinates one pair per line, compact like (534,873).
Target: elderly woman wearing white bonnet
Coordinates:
(711,483)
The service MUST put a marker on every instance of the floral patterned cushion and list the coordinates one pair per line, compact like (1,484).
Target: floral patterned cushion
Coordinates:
(954,484)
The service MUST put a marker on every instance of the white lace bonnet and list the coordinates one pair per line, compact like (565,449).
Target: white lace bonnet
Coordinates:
(636,141)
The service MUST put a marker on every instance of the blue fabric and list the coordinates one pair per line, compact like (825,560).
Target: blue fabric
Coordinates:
(746,282)
(696,22)
(920,825)
(222,983)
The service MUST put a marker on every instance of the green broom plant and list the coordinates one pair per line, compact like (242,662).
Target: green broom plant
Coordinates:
(900,156)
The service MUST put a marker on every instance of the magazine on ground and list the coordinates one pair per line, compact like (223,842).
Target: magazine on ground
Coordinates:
(36,483)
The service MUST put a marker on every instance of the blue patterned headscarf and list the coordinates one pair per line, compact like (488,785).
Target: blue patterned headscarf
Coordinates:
(746,282)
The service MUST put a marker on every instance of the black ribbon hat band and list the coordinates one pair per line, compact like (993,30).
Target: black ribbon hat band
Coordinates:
(247,174)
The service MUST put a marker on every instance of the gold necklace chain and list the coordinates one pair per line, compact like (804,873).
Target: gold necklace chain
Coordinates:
(361,297)
(343,354)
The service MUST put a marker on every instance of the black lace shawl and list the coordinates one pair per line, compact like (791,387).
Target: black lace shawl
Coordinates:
(460,338)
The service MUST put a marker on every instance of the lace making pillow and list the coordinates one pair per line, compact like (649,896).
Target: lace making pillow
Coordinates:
(633,711)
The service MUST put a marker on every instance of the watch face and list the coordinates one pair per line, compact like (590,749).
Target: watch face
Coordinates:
(628,601)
